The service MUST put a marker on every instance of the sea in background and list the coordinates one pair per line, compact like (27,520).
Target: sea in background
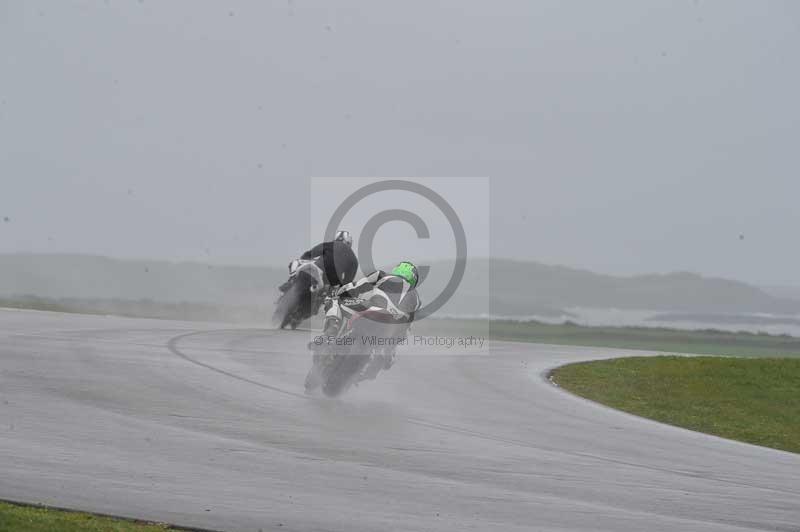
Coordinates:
(774,324)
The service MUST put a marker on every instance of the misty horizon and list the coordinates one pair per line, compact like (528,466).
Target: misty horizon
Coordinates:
(421,261)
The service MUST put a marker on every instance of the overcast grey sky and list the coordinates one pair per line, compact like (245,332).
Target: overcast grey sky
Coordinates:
(623,137)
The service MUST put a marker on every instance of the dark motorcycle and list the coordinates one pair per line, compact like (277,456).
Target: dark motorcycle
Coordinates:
(302,294)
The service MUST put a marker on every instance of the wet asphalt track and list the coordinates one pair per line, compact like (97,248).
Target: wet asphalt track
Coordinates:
(208,427)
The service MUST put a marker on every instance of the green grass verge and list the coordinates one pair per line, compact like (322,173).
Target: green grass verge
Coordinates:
(751,400)
(20,518)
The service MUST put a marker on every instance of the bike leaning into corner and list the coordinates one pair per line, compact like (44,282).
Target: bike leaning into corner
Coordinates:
(364,324)
(325,266)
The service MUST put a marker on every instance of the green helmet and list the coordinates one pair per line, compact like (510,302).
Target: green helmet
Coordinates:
(407,271)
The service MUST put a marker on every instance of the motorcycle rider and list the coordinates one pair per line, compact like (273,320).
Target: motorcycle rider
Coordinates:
(394,292)
(337,262)
(337,255)
(341,236)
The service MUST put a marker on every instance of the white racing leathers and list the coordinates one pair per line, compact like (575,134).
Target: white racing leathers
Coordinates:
(386,291)
(388,303)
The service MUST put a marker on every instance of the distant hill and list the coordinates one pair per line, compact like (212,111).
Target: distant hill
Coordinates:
(498,286)
(92,277)
(520,288)
(673,291)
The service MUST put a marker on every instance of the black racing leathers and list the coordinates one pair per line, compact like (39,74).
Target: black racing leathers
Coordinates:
(337,261)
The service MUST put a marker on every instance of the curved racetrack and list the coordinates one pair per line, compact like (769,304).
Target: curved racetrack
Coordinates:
(208,427)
